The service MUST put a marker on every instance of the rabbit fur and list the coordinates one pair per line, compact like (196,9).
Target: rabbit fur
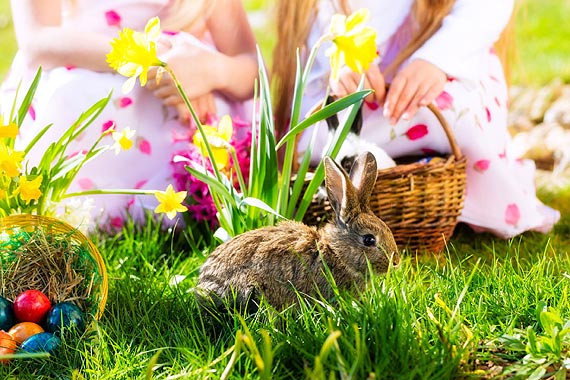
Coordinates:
(278,261)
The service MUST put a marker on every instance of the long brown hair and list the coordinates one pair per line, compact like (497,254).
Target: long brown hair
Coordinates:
(295,21)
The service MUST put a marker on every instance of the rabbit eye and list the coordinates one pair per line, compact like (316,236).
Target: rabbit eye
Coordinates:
(369,240)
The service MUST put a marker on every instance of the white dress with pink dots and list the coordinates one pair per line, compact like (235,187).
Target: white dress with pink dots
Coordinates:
(65,92)
(500,189)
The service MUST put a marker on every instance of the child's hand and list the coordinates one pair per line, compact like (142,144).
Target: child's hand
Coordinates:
(204,107)
(415,86)
(167,91)
(348,81)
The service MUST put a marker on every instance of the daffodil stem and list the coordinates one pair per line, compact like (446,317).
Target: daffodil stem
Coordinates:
(109,191)
(197,121)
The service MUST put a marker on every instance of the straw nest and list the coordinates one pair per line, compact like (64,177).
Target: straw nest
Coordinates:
(51,261)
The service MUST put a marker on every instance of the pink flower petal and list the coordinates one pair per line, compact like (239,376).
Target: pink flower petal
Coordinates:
(113,18)
(372,105)
(32,112)
(117,222)
(481,165)
(86,184)
(512,214)
(109,124)
(503,154)
(429,151)
(73,154)
(444,101)
(144,146)
(125,101)
(140,184)
(417,132)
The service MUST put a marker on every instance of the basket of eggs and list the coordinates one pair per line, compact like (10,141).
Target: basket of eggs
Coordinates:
(52,279)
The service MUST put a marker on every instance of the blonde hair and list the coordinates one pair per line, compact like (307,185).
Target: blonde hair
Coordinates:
(295,21)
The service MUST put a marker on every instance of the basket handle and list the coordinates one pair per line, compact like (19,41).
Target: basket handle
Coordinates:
(446,128)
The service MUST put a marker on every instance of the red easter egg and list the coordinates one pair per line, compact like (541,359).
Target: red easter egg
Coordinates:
(31,306)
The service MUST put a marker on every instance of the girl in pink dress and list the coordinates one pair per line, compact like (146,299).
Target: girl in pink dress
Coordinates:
(430,52)
(209,44)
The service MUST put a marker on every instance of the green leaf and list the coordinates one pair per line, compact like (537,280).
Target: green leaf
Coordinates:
(152,364)
(531,344)
(258,203)
(325,112)
(208,178)
(550,320)
(27,101)
(537,373)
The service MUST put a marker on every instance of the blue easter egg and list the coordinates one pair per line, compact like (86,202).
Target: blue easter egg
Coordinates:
(42,342)
(7,318)
(65,315)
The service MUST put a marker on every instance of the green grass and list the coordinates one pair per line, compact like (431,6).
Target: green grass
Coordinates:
(542,34)
(7,38)
(398,328)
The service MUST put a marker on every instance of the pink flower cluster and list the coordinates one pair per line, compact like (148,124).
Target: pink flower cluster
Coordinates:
(201,207)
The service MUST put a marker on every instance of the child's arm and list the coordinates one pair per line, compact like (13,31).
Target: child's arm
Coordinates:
(44,41)
(236,65)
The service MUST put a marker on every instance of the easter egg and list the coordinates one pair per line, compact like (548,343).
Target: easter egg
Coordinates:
(23,330)
(65,315)
(7,345)
(7,318)
(31,306)
(42,342)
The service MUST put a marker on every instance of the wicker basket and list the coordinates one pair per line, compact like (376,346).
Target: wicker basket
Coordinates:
(70,266)
(420,202)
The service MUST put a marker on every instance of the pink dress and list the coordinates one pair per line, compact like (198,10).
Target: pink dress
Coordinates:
(500,194)
(65,92)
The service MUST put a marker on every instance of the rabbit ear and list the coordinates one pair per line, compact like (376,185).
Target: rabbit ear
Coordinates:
(363,176)
(342,194)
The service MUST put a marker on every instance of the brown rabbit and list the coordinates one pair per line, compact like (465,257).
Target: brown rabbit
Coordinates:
(278,261)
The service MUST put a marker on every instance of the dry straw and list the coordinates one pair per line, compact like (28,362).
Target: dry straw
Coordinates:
(46,254)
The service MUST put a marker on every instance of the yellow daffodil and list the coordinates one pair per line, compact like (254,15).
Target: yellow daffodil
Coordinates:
(10,161)
(30,189)
(354,44)
(218,138)
(123,140)
(8,131)
(134,53)
(170,202)
(2,194)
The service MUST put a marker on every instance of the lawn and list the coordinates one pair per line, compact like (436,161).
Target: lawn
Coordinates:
(466,313)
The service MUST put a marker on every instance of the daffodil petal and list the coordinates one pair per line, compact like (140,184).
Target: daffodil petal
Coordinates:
(336,61)
(337,26)
(357,19)
(152,29)
(221,157)
(226,128)
(129,85)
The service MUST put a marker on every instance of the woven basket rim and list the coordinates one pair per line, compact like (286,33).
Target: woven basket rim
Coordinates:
(23,220)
